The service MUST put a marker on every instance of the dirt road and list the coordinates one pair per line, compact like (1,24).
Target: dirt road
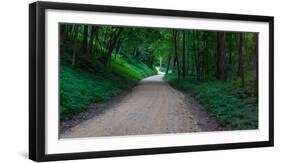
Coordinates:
(152,107)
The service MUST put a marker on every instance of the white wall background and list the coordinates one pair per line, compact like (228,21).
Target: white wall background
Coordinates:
(14,79)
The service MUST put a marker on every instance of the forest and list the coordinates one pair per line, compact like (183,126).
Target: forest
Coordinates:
(219,68)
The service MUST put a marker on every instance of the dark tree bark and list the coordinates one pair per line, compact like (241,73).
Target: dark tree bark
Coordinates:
(169,62)
(174,60)
(221,73)
(231,49)
(240,59)
(194,52)
(256,61)
(62,37)
(187,56)
(218,61)
(75,39)
(204,58)
(173,57)
(94,32)
(175,33)
(223,57)
(183,54)
(85,40)
(198,56)
(112,43)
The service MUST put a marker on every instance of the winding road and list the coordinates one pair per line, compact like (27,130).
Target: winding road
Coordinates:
(152,107)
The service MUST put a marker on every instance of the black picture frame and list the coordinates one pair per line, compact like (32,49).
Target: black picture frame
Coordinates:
(37,80)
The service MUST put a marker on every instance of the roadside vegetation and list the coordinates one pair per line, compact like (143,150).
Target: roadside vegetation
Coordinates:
(79,87)
(234,108)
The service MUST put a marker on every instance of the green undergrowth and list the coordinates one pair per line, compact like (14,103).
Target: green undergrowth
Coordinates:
(133,68)
(234,107)
(79,87)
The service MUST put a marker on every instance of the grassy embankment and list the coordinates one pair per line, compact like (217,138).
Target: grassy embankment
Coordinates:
(80,86)
(235,108)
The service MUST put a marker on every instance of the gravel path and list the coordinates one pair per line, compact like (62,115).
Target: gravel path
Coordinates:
(152,107)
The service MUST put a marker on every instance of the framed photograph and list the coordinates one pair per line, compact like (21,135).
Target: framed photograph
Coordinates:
(111,81)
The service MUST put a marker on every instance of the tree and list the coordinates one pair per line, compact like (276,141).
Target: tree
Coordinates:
(183,54)
(256,61)
(63,36)
(223,58)
(112,43)
(193,56)
(187,55)
(240,59)
(91,46)
(221,67)
(85,40)
(75,39)
(197,55)
(218,62)
(168,63)
(176,59)
(231,49)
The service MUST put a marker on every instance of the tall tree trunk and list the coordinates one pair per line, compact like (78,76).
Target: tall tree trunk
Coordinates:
(218,61)
(198,54)
(112,44)
(168,66)
(187,55)
(94,32)
(207,59)
(183,54)
(256,61)
(240,59)
(62,37)
(223,57)
(174,63)
(194,52)
(204,58)
(85,40)
(231,49)
(176,52)
(75,39)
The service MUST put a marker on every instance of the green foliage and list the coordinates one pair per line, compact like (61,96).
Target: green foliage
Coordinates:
(233,106)
(81,87)
(131,67)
